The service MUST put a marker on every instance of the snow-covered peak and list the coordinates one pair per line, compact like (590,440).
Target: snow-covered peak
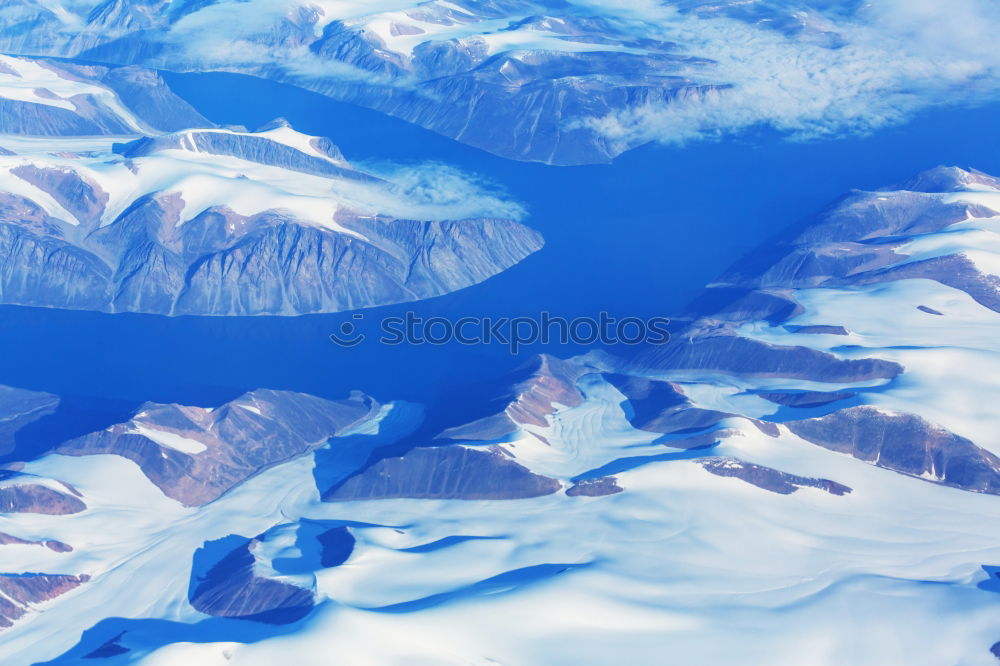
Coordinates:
(887,301)
(38,82)
(263,145)
(245,172)
(46,97)
(950,179)
(171,168)
(199,196)
(273,169)
(263,194)
(413,48)
(281,130)
(485,31)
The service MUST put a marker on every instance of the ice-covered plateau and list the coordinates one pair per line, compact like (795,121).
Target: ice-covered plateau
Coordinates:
(116,196)
(807,473)
(529,80)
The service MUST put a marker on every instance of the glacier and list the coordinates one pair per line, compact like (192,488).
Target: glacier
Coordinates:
(806,472)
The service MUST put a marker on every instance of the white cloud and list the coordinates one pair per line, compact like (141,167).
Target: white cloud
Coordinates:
(894,57)
(852,67)
(436,191)
(889,59)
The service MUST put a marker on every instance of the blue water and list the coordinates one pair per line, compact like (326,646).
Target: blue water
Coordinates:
(638,237)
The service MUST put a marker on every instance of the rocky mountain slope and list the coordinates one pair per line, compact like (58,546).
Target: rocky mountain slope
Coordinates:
(542,80)
(59,98)
(205,220)
(512,77)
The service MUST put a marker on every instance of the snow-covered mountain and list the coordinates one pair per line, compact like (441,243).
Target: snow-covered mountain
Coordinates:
(557,81)
(208,220)
(512,77)
(50,98)
(807,472)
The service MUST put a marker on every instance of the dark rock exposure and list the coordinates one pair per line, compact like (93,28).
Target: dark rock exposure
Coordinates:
(18,496)
(194,455)
(768,478)
(904,443)
(21,591)
(232,589)
(604,485)
(448,472)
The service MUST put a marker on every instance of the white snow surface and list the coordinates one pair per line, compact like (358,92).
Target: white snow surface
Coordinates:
(204,180)
(402,31)
(682,567)
(702,568)
(25,80)
(201,180)
(170,440)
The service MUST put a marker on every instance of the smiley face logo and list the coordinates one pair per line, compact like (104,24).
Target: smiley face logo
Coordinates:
(348,335)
